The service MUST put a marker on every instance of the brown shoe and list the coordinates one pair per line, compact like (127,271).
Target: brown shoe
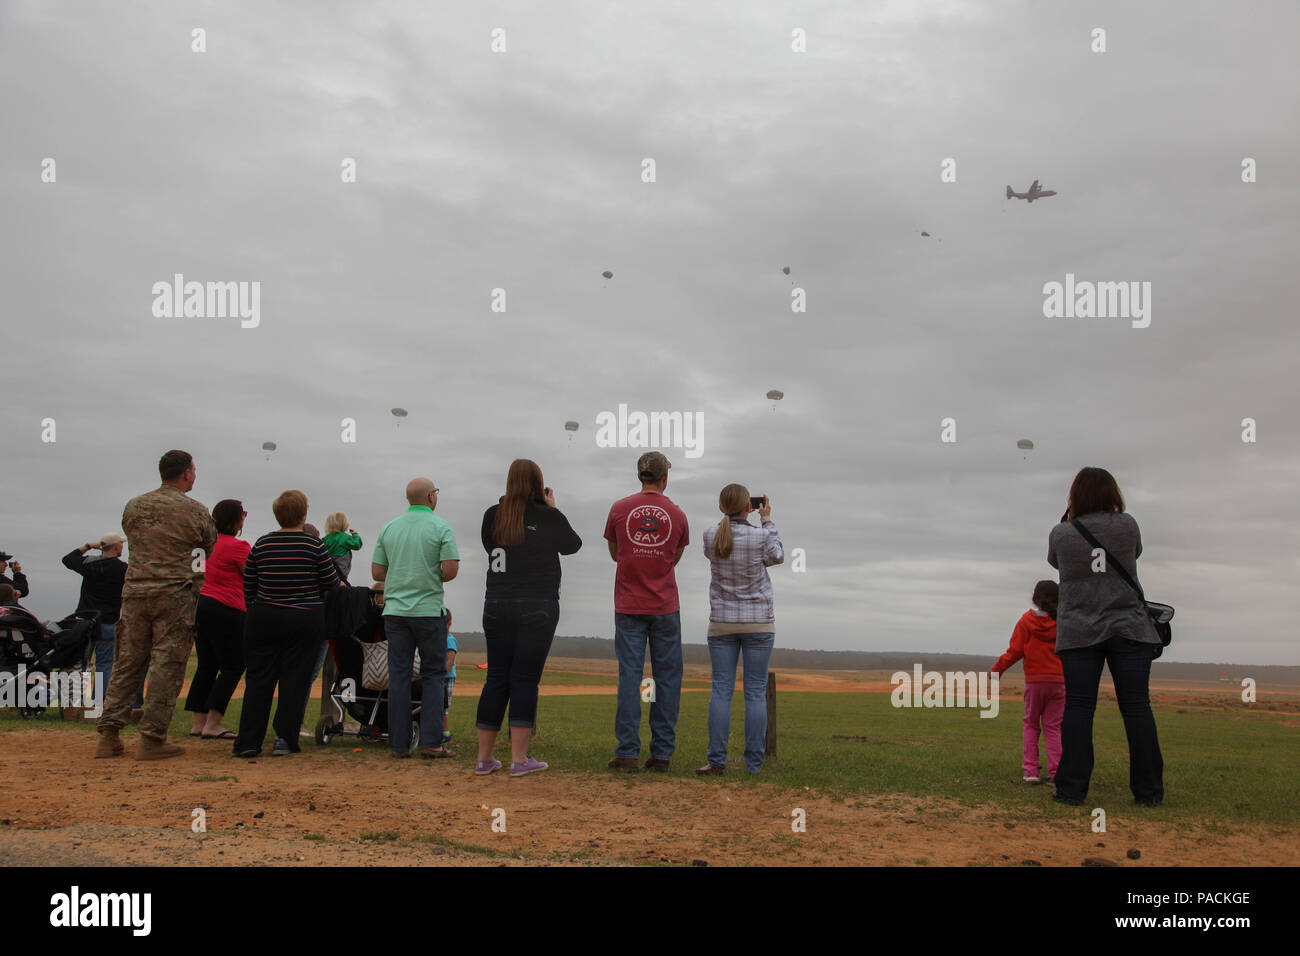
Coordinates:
(709,768)
(136,714)
(110,745)
(626,764)
(655,763)
(151,749)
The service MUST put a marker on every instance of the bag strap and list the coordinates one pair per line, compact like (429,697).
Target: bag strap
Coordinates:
(1088,536)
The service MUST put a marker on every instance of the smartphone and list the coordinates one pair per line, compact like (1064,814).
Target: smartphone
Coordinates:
(755,503)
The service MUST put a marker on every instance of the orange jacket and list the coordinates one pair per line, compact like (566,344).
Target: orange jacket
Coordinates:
(1034,639)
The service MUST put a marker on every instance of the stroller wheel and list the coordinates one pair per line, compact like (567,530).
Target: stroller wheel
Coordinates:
(323,731)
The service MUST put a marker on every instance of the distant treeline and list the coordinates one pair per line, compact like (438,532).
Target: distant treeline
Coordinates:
(602,648)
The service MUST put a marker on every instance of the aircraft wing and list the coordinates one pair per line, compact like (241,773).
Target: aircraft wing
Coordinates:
(1033,188)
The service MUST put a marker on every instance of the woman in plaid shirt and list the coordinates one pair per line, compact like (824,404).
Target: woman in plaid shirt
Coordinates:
(741,621)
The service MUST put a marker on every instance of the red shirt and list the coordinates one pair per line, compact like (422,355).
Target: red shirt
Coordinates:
(223,575)
(647,529)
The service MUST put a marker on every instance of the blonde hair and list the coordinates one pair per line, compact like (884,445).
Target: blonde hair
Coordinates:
(336,522)
(733,500)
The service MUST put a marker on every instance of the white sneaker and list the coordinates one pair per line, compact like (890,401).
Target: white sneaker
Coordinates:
(1032,780)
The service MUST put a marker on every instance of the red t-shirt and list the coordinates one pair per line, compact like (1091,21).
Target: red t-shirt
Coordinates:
(223,574)
(647,529)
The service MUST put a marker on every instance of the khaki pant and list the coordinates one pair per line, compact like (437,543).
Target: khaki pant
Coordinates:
(155,634)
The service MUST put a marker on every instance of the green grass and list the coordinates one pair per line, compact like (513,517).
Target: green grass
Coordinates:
(1241,768)
(468,675)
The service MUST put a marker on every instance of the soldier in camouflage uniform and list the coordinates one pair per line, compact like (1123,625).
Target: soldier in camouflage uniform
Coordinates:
(156,629)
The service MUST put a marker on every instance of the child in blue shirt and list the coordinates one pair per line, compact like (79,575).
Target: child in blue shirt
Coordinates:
(449,682)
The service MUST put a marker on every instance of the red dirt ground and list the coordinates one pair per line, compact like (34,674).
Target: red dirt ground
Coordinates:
(437,812)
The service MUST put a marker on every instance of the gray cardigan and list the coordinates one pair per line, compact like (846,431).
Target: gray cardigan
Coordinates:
(1098,606)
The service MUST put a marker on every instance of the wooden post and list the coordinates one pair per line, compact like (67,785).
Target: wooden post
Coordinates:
(771,714)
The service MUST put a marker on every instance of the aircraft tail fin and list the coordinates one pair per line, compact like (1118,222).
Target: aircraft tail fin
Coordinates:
(1009,192)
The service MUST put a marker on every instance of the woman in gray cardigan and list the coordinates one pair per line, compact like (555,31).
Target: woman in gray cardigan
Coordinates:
(1102,621)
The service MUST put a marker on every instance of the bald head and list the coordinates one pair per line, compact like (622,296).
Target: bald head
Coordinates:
(421,491)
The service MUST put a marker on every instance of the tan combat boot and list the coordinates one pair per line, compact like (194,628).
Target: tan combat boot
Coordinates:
(110,745)
(151,749)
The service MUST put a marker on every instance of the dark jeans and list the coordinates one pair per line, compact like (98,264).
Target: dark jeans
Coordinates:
(1130,669)
(406,635)
(518,632)
(220,643)
(279,648)
(105,648)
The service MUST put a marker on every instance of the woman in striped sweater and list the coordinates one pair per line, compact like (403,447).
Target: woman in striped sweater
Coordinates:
(285,577)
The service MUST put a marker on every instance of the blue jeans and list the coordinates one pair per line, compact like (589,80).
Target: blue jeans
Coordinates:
(725,651)
(405,636)
(663,634)
(105,645)
(1130,670)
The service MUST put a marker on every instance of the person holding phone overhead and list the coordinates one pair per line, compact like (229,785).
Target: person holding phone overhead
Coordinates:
(524,535)
(742,620)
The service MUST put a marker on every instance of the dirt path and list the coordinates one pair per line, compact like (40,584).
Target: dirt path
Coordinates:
(60,806)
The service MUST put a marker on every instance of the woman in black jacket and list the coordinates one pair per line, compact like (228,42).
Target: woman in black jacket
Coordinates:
(524,536)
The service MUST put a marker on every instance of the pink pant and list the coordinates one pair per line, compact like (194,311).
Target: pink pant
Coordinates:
(1044,702)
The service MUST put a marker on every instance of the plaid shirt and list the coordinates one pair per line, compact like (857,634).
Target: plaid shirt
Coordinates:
(741,591)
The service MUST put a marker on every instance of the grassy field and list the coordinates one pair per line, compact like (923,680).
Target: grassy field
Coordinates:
(1232,769)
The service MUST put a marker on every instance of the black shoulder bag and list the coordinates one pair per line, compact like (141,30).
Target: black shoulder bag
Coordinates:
(1160,614)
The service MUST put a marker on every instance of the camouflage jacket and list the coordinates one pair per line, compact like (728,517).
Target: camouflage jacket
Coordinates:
(164,527)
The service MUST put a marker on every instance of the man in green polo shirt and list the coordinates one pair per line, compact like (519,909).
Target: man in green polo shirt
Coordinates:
(415,554)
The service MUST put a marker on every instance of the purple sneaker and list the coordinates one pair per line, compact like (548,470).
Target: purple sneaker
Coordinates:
(485,767)
(528,766)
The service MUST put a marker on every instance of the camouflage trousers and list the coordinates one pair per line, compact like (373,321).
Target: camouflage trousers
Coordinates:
(155,634)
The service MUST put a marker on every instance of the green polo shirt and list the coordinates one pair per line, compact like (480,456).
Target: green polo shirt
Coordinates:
(413,547)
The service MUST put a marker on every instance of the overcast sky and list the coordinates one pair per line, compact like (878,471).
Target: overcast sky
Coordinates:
(522,170)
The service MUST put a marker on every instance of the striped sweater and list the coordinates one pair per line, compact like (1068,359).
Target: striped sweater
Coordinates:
(289,569)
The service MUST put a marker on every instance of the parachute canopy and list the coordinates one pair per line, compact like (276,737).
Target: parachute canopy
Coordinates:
(268,446)
(776,395)
(399,413)
(1025,444)
(786,270)
(570,426)
(607,274)
(926,234)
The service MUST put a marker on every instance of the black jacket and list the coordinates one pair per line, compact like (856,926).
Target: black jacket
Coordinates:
(531,569)
(18,582)
(345,610)
(101,584)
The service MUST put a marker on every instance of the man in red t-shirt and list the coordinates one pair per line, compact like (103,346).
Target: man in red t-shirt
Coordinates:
(647,534)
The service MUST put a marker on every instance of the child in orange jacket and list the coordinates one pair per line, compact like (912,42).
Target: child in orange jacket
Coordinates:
(1034,639)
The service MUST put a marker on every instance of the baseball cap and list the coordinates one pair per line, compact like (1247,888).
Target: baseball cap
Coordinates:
(111,539)
(652,466)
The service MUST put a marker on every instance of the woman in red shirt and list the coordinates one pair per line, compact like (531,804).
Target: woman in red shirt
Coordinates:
(220,622)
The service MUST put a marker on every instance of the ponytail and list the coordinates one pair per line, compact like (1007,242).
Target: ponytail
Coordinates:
(732,501)
(1047,595)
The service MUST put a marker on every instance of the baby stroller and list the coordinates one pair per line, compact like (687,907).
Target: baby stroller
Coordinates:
(359,690)
(30,652)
